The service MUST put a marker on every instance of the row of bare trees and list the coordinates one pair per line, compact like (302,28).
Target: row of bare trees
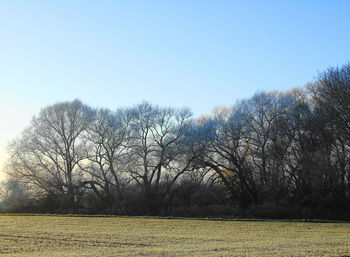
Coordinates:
(71,148)
(280,148)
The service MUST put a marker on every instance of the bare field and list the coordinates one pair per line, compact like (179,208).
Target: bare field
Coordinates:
(114,236)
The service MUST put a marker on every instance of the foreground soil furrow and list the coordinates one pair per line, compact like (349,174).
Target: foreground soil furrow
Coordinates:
(69,240)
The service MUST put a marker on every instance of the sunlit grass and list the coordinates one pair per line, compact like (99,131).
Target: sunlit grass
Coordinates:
(113,236)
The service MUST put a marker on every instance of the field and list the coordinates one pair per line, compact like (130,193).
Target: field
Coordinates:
(117,236)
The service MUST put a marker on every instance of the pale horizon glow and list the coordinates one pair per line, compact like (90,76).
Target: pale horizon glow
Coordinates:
(197,54)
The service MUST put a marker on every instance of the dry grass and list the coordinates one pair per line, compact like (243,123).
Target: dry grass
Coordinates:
(111,236)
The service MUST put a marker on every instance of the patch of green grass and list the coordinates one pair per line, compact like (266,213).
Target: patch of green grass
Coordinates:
(47,235)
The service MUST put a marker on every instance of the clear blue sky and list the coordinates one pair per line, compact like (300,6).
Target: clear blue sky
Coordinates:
(198,54)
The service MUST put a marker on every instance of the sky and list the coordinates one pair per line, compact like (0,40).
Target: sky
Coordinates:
(197,54)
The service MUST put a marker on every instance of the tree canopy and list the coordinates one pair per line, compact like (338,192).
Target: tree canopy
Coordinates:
(279,148)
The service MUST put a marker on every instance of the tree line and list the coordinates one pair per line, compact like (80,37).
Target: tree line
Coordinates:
(284,154)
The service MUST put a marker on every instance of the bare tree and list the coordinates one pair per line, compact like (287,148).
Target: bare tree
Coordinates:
(48,153)
(266,117)
(106,147)
(224,149)
(158,153)
(248,145)
(331,98)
